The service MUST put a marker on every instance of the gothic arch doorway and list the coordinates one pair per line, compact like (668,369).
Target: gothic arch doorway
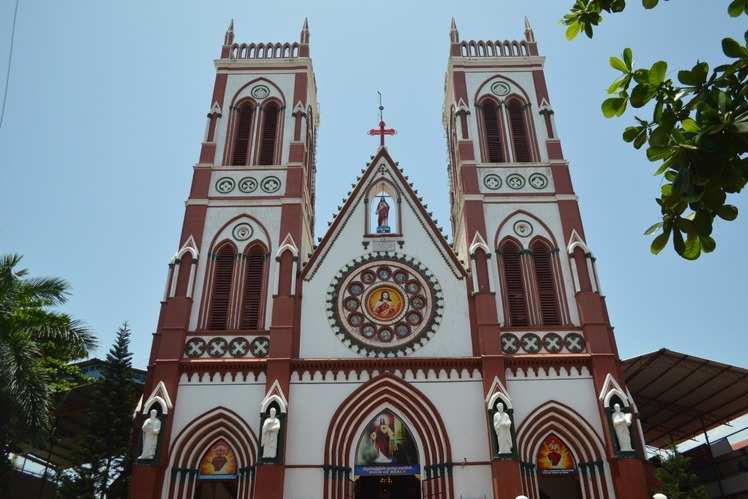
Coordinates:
(558,476)
(218,473)
(386,461)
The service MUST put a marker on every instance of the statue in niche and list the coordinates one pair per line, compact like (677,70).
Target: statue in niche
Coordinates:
(383,214)
(502,425)
(270,429)
(621,424)
(151,429)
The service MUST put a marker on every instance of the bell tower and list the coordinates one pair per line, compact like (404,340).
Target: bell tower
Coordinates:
(535,293)
(231,294)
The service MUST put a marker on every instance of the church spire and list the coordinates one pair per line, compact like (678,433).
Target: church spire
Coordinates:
(454,35)
(529,34)
(305,32)
(228,39)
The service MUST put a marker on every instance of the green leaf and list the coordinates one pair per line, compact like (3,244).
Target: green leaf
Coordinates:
(733,49)
(618,64)
(655,153)
(640,95)
(657,72)
(692,250)
(615,106)
(678,243)
(628,58)
(652,228)
(735,8)
(707,244)
(640,140)
(650,4)
(690,126)
(728,212)
(573,30)
(631,133)
(660,137)
(659,242)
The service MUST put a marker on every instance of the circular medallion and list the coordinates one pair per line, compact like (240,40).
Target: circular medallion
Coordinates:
(260,347)
(538,181)
(522,228)
(247,185)
(260,92)
(500,88)
(242,232)
(530,343)
(385,305)
(224,185)
(217,347)
(194,348)
(270,184)
(492,182)
(574,342)
(509,343)
(238,347)
(552,342)
(515,181)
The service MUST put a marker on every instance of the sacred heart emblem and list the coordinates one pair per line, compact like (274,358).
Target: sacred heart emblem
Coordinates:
(218,462)
(554,457)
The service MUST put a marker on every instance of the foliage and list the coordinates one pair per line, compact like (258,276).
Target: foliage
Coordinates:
(676,478)
(34,340)
(698,130)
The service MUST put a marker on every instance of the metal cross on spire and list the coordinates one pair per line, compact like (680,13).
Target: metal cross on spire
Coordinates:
(381,131)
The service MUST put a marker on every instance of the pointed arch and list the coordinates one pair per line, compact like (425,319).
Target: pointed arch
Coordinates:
(200,435)
(241,123)
(519,129)
(513,283)
(491,124)
(555,418)
(254,286)
(270,126)
(224,259)
(544,258)
(388,392)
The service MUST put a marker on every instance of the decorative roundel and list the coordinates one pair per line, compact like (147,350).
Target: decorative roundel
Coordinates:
(538,181)
(383,306)
(260,347)
(224,185)
(515,181)
(574,342)
(530,343)
(242,232)
(260,92)
(552,342)
(194,348)
(509,343)
(492,181)
(522,228)
(500,88)
(217,347)
(270,184)
(238,347)
(247,185)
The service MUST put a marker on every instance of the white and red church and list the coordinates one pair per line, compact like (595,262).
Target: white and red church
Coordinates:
(384,362)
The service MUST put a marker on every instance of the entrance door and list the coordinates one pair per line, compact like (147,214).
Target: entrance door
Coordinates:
(559,487)
(388,487)
(216,489)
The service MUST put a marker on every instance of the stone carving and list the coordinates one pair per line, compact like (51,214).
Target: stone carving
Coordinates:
(151,429)
(270,429)
(502,425)
(621,424)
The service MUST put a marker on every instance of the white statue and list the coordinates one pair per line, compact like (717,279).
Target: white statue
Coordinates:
(502,425)
(621,423)
(270,429)
(151,429)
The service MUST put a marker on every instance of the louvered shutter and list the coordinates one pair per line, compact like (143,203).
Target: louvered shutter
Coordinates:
(241,137)
(520,140)
(546,285)
(269,130)
(515,287)
(253,280)
(495,153)
(223,275)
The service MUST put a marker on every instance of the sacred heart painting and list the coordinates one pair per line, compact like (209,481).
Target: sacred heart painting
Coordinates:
(386,447)
(218,462)
(385,303)
(554,457)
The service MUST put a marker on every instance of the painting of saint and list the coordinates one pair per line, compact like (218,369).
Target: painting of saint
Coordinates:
(386,447)
(385,303)
(218,462)
(555,458)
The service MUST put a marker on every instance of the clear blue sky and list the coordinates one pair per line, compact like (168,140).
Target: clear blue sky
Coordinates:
(106,110)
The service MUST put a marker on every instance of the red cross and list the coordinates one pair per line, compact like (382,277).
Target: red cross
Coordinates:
(382,131)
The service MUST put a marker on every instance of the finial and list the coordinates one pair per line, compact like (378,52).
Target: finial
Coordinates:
(229,38)
(305,32)
(529,35)
(381,130)
(454,35)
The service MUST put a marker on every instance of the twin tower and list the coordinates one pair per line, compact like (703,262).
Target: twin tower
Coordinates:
(384,361)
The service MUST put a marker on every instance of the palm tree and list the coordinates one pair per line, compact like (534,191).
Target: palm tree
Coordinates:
(30,331)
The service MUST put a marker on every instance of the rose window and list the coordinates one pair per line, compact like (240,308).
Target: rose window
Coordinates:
(385,306)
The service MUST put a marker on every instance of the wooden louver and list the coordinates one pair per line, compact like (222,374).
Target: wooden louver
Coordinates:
(223,276)
(241,137)
(269,131)
(520,138)
(515,287)
(546,284)
(253,280)
(494,151)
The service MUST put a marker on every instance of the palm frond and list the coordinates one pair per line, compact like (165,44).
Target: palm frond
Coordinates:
(60,329)
(47,290)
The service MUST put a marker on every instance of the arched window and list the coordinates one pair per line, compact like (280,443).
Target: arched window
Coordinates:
(514,285)
(519,130)
(242,134)
(223,276)
(494,152)
(269,132)
(546,284)
(254,278)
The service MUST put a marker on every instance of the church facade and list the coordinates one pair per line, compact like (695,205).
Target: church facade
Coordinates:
(384,361)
